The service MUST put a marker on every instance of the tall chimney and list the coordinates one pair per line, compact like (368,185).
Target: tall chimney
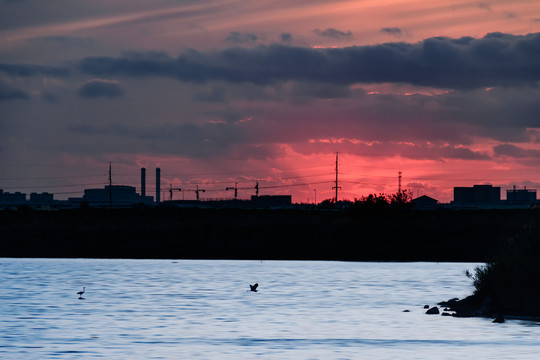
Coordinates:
(158,181)
(143,182)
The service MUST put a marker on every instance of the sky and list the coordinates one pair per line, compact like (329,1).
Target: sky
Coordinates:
(225,92)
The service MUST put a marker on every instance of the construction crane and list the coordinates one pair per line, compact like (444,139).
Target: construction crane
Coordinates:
(197,191)
(236,188)
(171,191)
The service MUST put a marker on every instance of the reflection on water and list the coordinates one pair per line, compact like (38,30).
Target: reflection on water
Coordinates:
(150,309)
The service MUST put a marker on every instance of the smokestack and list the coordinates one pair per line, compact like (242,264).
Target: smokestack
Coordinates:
(158,181)
(143,182)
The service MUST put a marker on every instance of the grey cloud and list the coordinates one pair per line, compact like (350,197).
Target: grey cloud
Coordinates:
(215,95)
(320,91)
(239,38)
(206,140)
(333,33)
(7,92)
(390,148)
(286,37)
(100,88)
(392,31)
(50,97)
(29,70)
(65,41)
(484,6)
(451,152)
(494,60)
(515,151)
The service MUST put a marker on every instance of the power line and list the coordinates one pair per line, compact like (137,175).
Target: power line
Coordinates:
(52,177)
(49,186)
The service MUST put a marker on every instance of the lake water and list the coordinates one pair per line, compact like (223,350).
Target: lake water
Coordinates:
(183,309)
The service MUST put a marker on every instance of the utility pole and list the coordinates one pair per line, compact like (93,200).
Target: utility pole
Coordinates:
(110,186)
(257,189)
(337,184)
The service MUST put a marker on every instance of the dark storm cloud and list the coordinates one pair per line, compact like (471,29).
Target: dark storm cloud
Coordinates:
(333,33)
(392,31)
(7,92)
(239,38)
(28,70)
(494,60)
(100,88)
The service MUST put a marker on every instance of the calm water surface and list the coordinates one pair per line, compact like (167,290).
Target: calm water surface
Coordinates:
(166,309)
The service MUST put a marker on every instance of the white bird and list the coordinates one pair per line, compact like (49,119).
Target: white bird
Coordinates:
(81,292)
(254,287)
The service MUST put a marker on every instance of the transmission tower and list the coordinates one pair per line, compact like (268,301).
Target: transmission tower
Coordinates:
(337,183)
(399,181)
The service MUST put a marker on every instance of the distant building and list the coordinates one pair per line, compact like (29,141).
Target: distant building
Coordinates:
(268,201)
(43,198)
(256,202)
(118,196)
(521,196)
(43,201)
(8,199)
(478,196)
(425,203)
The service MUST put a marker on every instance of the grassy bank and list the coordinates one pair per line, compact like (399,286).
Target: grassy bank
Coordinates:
(357,235)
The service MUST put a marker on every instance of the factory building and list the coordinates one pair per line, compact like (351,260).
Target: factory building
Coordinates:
(478,196)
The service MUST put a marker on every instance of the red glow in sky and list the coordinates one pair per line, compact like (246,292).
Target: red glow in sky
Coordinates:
(224,91)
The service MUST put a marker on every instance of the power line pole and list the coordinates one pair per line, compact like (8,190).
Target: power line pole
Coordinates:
(110,186)
(337,184)
(399,181)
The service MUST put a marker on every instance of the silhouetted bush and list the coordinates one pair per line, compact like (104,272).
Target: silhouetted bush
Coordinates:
(511,280)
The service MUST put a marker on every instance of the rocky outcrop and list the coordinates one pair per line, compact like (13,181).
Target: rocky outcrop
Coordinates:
(433,311)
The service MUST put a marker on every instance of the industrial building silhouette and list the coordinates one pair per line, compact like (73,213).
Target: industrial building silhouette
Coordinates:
(125,196)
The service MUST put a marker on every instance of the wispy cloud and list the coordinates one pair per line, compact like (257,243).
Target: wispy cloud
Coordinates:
(333,33)
(395,31)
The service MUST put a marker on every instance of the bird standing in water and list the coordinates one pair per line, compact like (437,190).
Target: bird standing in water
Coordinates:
(80,293)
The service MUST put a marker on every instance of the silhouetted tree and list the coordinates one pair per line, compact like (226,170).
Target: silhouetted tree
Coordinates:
(401,199)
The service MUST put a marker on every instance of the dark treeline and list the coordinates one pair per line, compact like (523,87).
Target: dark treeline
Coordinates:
(359,233)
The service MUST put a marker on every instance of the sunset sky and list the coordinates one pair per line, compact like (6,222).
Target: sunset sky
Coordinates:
(222,91)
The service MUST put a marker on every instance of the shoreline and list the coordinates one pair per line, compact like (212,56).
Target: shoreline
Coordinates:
(477,306)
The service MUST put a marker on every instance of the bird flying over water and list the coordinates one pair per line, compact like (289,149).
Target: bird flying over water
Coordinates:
(254,287)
